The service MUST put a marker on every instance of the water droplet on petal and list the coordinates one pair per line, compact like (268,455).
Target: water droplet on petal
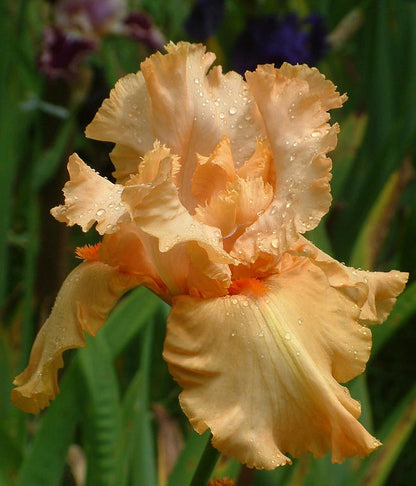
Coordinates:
(232,110)
(100,213)
(288,336)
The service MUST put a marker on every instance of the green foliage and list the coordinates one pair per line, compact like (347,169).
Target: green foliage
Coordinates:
(108,389)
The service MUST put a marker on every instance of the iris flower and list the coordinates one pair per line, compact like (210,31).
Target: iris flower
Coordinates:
(217,180)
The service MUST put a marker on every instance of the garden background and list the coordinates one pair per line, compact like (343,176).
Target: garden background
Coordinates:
(117,420)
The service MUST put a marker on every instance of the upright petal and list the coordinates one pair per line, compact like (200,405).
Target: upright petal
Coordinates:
(260,368)
(192,111)
(83,303)
(293,102)
(90,198)
(124,118)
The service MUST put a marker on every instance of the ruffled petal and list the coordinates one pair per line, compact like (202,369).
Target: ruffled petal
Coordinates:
(213,173)
(83,303)
(90,198)
(293,102)
(260,368)
(374,292)
(192,111)
(124,118)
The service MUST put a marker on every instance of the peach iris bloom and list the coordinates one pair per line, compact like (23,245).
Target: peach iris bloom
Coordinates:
(217,179)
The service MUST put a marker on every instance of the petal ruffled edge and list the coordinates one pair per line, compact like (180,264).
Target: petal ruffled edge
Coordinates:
(375,293)
(83,303)
(90,198)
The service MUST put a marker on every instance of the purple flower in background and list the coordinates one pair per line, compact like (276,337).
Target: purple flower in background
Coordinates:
(91,17)
(139,26)
(269,39)
(204,19)
(79,26)
(62,52)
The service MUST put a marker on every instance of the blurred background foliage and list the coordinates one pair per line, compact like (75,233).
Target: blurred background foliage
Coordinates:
(117,420)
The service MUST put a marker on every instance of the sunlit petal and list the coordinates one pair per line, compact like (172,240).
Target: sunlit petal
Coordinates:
(90,198)
(83,303)
(260,369)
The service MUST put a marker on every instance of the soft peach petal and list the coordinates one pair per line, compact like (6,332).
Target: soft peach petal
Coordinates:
(124,118)
(159,212)
(260,164)
(293,102)
(374,292)
(126,251)
(213,173)
(221,212)
(126,161)
(190,111)
(254,197)
(83,303)
(90,198)
(260,369)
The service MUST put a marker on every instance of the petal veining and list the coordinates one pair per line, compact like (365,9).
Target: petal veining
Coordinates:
(83,303)
(261,370)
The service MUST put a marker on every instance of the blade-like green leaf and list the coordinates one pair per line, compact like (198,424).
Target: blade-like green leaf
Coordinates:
(102,416)
(44,464)
(128,318)
(188,460)
(394,435)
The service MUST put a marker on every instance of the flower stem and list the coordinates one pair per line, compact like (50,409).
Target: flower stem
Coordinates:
(206,465)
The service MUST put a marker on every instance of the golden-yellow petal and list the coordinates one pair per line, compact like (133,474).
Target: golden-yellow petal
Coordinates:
(83,303)
(90,198)
(260,368)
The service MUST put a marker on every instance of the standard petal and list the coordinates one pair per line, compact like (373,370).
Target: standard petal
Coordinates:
(191,111)
(90,198)
(83,303)
(260,368)
(293,102)
(124,117)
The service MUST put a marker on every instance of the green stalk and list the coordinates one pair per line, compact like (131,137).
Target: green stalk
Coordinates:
(206,465)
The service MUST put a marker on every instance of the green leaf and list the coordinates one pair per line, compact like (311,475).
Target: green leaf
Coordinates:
(10,456)
(128,318)
(102,417)
(375,228)
(188,460)
(138,466)
(394,435)
(44,464)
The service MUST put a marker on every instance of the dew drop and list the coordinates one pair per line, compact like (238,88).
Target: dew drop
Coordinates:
(275,243)
(288,336)
(232,110)
(233,333)
(315,133)
(100,213)
(222,116)
(300,321)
